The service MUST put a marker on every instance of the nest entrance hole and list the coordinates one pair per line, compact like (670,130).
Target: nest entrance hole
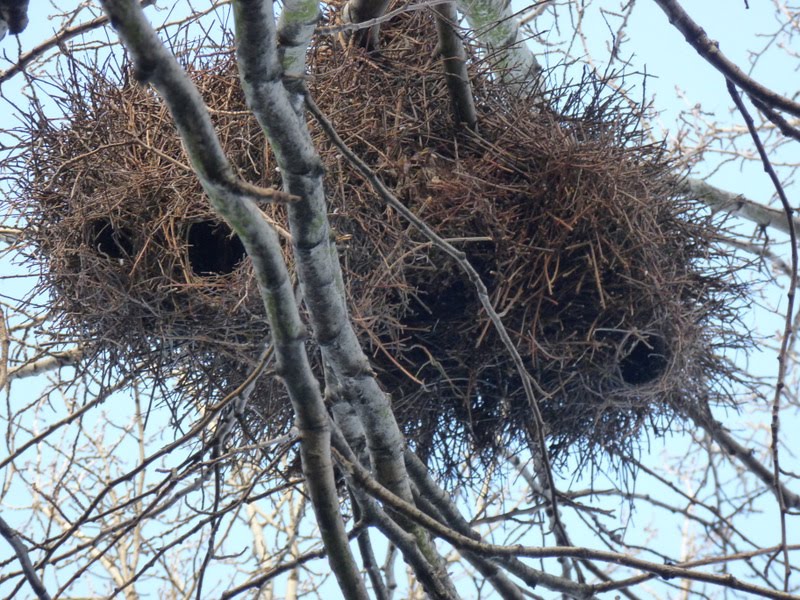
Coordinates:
(213,249)
(646,361)
(108,240)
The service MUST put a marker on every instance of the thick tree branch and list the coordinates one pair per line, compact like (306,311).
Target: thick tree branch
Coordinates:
(488,569)
(719,200)
(296,27)
(496,26)
(236,202)
(314,246)
(49,363)
(349,439)
(359,11)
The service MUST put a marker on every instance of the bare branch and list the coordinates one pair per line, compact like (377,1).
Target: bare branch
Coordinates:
(787,331)
(460,541)
(22,555)
(49,363)
(709,50)
(54,42)
(720,200)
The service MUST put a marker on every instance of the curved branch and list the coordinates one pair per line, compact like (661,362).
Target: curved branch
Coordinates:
(709,50)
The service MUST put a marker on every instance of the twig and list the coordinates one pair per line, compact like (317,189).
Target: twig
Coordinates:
(461,260)
(54,42)
(787,332)
(460,541)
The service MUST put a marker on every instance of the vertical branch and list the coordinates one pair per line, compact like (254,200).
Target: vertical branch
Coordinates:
(295,28)
(359,11)
(787,332)
(496,26)
(316,258)
(5,344)
(454,60)
(236,202)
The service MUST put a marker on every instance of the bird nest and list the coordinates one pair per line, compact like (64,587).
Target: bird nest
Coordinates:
(608,279)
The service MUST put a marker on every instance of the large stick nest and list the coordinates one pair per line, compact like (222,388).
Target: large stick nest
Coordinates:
(608,279)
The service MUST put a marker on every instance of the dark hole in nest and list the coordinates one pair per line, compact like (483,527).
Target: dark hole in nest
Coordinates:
(108,240)
(646,361)
(452,297)
(213,248)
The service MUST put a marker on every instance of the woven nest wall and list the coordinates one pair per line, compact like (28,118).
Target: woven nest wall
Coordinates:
(608,280)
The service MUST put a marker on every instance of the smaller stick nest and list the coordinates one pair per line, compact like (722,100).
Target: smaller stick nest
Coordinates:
(608,279)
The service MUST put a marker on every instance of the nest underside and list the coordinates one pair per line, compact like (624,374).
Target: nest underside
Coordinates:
(608,280)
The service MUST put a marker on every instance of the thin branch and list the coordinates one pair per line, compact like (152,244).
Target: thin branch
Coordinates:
(54,42)
(782,124)
(460,541)
(709,50)
(746,456)
(787,331)
(450,514)
(24,559)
